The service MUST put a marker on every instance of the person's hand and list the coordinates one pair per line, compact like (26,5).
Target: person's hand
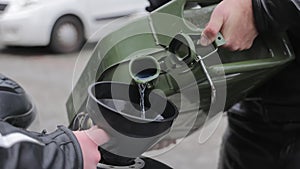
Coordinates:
(235,20)
(89,141)
(163,143)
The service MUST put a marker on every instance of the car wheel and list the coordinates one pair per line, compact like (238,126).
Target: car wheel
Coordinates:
(67,35)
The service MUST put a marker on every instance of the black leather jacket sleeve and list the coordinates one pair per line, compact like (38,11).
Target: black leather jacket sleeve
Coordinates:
(20,149)
(276,15)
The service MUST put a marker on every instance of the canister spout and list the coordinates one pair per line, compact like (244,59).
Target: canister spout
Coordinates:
(144,69)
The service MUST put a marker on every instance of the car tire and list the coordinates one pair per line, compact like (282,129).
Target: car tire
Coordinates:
(67,35)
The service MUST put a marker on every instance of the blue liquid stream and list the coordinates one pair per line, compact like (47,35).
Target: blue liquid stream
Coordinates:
(142,88)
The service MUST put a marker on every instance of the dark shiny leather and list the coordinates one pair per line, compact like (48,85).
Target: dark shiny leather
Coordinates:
(57,150)
(15,106)
(276,15)
(254,141)
(264,131)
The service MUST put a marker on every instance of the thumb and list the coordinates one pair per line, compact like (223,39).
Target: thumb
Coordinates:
(98,136)
(214,26)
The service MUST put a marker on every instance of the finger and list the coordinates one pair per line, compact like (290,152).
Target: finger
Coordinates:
(155,147)
(98,136)
(214,26)
(165,143)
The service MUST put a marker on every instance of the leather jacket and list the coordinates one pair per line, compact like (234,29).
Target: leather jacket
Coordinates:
(20,149)
(276,15)
(281,94)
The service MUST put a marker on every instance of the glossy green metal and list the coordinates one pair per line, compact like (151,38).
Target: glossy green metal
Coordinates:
(154,35)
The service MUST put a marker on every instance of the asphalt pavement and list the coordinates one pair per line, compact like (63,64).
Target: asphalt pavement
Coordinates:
(47,78)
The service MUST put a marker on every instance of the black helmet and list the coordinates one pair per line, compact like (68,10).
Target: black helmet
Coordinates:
(15,106)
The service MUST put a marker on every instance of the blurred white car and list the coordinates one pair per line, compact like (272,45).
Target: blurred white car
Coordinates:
(64,25)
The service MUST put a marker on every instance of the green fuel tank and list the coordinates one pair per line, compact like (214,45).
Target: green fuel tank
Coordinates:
(200,81)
